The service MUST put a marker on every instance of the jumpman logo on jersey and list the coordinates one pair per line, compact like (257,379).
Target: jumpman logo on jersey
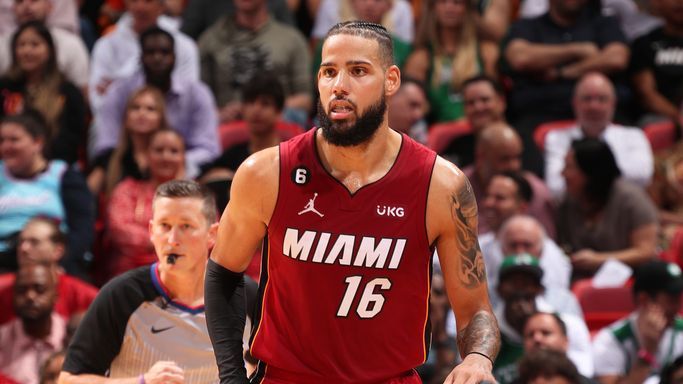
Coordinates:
(310,207)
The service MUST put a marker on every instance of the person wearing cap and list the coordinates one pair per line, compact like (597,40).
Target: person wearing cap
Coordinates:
(521,290)
(638,346)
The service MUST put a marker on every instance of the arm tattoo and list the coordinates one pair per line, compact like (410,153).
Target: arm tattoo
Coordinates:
(481,335)
(472,271)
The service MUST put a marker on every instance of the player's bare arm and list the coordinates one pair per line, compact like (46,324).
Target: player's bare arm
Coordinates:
(242,227)
(452,226)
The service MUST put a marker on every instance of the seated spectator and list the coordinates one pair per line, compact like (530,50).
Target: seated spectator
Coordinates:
(49,371)
(158,309)
(594,103)
(41,241)
(602,215)
(263,102)
(38,332)
(240,46)
(545,339)
(484,105)
(145,113)
(508,193)
(72,55)
(373,11)
(117,55)
(546,55)
(498,149)
(201,14)
(407,109)
(657,66)
(521,234)
(549,366)
(190,108)
(633,15)
(130,206)
(650,338)
(520,288)
(34,186)
(448,52)
(397,18)
(34,81)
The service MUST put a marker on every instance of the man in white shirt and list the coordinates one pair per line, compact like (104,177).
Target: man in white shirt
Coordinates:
(117,54)
(594,104)
(72,56)
(651,337)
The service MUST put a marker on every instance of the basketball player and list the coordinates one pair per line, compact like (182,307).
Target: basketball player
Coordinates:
(148,325)
(350,214)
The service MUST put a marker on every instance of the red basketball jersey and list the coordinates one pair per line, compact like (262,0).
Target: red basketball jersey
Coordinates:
(345,279)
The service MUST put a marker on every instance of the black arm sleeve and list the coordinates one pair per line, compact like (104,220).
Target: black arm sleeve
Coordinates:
(79,206)
(224,302)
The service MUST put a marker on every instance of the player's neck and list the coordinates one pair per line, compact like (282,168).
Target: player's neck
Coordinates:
(185,288)
(360,165)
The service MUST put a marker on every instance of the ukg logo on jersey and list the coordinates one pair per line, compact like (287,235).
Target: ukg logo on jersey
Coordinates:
(390,211)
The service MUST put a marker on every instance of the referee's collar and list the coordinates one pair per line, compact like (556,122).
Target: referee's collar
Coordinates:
(163,291)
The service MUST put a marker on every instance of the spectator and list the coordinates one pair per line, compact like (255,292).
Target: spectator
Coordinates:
(35,186)
(38,332)
(130,206)
(633,15)
(520,288)
(498,149)
(117,55)
(239,47)
(657,66)
(507,193)
(545,334)
(594,103)
(397,19)
(637,346)
(548,366)
(484,105)
(190,108)
(145,113)
(157,308)
(447,52)
(263,102)
(49,371)
(407,109)
(546,55)
(521,234)
(41,241)
(603,216)
(34,81)
(72,55)
(372,11)
(201,14)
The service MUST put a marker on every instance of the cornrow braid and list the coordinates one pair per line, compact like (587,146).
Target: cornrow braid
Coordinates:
(367,30)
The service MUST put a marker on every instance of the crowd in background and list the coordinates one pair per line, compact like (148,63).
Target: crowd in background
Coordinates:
(565,115)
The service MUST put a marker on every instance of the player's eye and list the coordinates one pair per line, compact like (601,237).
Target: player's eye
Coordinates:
(358,71)
(328,72)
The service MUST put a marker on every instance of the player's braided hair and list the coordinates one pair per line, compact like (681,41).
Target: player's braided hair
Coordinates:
(369,31)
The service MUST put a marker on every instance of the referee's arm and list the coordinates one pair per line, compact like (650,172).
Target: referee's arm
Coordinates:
(242,228)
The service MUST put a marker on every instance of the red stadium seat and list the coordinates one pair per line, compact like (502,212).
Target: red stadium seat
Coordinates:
(440,135)
(662,134)
(543,129)
(603,306)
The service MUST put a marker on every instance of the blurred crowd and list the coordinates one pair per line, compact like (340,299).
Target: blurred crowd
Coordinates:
(566,116)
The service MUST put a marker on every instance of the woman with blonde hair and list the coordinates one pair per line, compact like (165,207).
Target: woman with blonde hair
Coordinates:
(145,114)
(447,52)
(34,82)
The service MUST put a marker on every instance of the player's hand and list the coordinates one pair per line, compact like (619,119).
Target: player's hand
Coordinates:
(165,372)
(473,370)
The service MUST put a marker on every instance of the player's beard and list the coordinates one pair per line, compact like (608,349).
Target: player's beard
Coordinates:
(349,134)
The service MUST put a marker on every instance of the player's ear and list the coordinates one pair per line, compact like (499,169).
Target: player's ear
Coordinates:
(213,232)
(392,80)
